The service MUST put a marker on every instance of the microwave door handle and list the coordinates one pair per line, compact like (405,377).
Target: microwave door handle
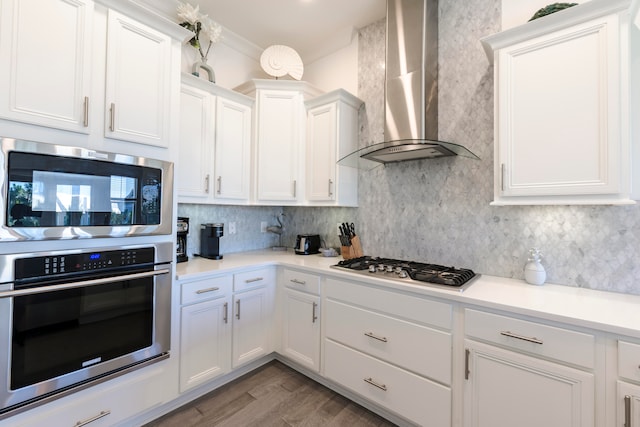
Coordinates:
(82,284)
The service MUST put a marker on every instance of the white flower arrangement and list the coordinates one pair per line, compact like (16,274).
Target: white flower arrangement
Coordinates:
(201,25)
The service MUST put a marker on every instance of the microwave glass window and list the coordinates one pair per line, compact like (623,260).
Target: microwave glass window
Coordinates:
(52,191)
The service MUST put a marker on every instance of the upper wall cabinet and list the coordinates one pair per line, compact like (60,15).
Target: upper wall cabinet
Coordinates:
(45,57)
(104,69)
(137,83)
(562,107)
(215,144)
(332,133)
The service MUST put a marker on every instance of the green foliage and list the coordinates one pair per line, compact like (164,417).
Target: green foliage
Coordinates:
(552,8)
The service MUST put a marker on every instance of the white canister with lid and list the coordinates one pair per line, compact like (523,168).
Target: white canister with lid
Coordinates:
(534,272)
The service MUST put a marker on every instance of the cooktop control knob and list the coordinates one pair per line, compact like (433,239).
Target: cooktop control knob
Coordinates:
(402,274)
(372,269)
(389,269)
(381,267)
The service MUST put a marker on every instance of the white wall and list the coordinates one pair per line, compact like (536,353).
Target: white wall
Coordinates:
(337,70)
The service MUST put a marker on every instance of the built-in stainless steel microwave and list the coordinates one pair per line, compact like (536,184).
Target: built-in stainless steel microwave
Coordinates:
(58,192)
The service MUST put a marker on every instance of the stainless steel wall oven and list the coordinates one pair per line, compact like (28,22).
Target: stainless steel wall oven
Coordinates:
(59,192)
(71,318)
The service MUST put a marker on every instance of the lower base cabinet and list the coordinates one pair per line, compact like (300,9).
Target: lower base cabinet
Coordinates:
(628,405)
(301,328)
(505,389)
(410,396)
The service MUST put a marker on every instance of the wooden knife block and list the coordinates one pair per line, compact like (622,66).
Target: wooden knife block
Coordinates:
(352,251)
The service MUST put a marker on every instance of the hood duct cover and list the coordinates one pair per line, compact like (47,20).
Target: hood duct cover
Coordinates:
(411,90)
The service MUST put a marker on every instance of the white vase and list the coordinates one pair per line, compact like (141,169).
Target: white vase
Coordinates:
(534,273)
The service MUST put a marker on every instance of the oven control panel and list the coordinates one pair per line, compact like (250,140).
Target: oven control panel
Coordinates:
(86,262)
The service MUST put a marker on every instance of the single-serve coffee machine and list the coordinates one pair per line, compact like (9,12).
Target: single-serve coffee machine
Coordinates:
(210,235)
(181,239)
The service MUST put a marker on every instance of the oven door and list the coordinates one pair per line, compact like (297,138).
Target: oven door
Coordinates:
(58,192)
(60,335)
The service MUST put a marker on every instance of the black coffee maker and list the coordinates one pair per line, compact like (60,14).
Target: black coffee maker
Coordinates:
(181,239)
(210,240)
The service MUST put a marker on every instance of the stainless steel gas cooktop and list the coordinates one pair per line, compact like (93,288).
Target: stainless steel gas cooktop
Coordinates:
(417,273)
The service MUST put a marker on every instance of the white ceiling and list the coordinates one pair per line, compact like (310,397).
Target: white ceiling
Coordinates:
(314,28)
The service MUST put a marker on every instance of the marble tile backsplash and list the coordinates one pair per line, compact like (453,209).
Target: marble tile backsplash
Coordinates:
(438,210)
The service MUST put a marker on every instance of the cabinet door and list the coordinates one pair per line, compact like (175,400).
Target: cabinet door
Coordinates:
(45,57)
(558,114)
(280,135)
(138,82)
(301,328)
(321,153)
(196,140)
(232,150)
(506,389)
(205,342)
(251,326)
(628,407)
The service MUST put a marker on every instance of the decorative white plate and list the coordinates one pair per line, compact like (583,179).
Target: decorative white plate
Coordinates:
(279,60)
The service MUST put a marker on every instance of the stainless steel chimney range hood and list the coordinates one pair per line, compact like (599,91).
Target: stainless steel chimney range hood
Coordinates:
(411,90)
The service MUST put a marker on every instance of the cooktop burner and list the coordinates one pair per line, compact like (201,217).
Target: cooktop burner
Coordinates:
(410,271)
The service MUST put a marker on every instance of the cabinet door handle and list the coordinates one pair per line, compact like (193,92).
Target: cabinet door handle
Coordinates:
(330,186)
(92,419)
(522,337)
(627,411)
(206,183)
(502,172)
(295,188)
(467,355)
(313,312)
(375,337)
(375,384)
(238,309)
(298,282)
(219,184)
(112,121)
(204,291)
(226,312)
(255,279)
(85,120)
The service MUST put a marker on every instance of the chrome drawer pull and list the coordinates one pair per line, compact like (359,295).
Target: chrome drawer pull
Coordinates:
(92,419)
(256,279)
(375,384)
(204,291)
(375,337)
(238,309)
(330,184)
(521,337)
(219,185)
(298,282)
(627,411)
(85,119)
(313,313)
(226,312)
(112,120)
(206,183)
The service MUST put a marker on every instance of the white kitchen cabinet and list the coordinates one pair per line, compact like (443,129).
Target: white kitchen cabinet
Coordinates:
(562,111)
(46,60)
(252,315)
(138,73)
(332,133)
(391,348)
(301,318)
(279,136)
(215,144)
(196,138)
(205,325)
(104,405)
(519,372)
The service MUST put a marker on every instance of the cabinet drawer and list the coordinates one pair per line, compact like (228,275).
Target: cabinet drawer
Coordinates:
(205,289)
(562,344)
(301,281)
(414,347)
(252,279)
(629,360)
(408,307)
(410,396)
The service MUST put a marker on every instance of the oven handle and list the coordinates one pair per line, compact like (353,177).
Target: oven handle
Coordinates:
(72,285)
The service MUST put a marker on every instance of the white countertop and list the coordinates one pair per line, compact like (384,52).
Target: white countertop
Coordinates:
(606,311)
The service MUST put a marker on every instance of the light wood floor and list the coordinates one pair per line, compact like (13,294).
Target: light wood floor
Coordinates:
(273,395)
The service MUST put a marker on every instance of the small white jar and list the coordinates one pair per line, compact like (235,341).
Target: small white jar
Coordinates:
(534,272)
